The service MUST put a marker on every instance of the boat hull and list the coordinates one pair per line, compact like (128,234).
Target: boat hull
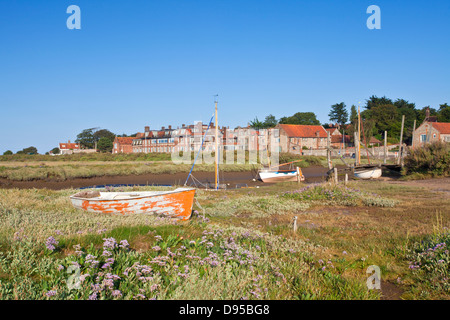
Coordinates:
(177,204)
(279,176)
(372,173)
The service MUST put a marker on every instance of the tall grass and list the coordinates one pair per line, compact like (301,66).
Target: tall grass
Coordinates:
(432,159)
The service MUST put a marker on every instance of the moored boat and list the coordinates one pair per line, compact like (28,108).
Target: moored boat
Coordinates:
(176,203)
(368,173)
(279,176)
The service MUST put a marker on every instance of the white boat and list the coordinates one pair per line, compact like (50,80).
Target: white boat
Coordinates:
(279,176)
(368,173)
(176,203)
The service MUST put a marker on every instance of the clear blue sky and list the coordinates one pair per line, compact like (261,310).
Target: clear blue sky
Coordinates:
(137,63)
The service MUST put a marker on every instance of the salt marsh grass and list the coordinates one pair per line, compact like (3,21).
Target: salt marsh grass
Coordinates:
(242,246)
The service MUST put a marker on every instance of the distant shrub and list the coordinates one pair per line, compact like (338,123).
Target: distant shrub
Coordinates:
(432,159)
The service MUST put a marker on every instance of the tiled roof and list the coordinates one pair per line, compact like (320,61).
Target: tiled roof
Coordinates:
(374,140)
(442,127)
(68,146)
(125,140)
(303,131)
(338,139)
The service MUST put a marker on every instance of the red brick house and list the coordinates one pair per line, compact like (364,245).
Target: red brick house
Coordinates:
(431,131)
(123,145)
(293,138)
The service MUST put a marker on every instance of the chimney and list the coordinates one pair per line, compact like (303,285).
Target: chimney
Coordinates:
(183,125)
(69,141)
(163,128)
(427,113)
(170,127)
(147,129)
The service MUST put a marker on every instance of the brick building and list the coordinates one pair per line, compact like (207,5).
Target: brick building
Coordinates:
(293,138)
(431,131)
(123,145)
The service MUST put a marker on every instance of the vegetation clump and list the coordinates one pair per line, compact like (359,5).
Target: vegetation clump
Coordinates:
(432,159)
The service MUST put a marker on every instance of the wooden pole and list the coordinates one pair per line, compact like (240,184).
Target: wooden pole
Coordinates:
(336,176)
(385,146)
(328,151)
(400,150)
(356,148)
(346,179)
(359,136)
(295,223)
(216,180)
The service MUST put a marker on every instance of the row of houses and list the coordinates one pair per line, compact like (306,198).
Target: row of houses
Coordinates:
(290,138)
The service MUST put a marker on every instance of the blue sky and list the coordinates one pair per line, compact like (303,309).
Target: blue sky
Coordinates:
(138,63)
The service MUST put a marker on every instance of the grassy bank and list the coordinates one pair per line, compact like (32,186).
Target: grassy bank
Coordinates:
(27,168)
(239,245)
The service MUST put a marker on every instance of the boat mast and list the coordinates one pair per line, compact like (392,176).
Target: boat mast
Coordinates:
(359,136)
(217,147)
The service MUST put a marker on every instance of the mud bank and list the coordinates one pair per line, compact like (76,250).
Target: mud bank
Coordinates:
(232,179)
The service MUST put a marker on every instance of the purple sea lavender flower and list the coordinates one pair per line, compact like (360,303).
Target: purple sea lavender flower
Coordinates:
(124,244)
(116,294)
(110,243)
(51,243)
(50,293)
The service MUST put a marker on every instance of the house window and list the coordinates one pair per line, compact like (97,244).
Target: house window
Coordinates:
(423,137)
(434,135)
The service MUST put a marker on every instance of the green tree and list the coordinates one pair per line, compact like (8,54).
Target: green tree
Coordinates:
(256,124)
(444,113)
(270,121)
(104,144)
(374,101)
(55,150)
(305,118)
(29,150)
(385,118)
(338,113)
(103,133)
(7,153)
(353,114)
(86,138)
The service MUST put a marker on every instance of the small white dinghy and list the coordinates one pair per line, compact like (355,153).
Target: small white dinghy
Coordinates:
(368,173)
(279,176)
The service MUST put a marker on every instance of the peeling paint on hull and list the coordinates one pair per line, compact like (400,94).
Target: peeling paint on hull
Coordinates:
(177,203)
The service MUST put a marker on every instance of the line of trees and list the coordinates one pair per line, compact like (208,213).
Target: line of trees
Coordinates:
(377,115)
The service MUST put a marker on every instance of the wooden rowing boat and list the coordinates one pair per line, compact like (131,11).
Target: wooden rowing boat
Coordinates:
(177,203)
(279,176)
(271,175)
(368,173)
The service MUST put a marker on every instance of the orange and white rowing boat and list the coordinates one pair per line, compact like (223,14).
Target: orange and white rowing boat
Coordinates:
(177,203)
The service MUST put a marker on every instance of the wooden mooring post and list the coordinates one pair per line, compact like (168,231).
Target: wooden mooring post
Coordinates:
(346,179)
(295,223)
(400,150)
(336,176)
